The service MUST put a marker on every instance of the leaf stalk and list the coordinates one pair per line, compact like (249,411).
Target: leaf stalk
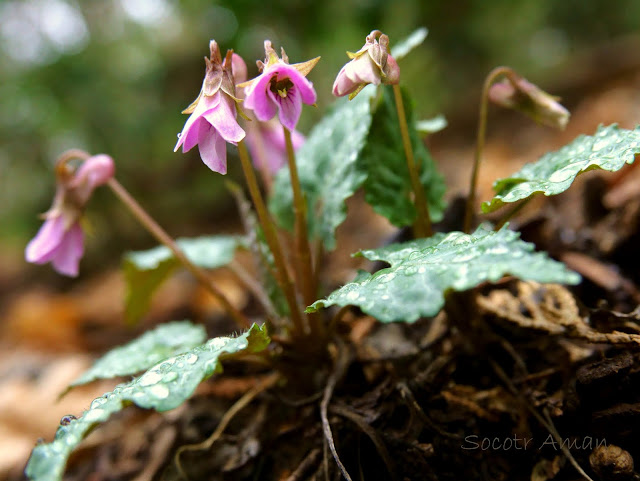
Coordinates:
(161,236)
(271,236)
(422,224)
(480,141)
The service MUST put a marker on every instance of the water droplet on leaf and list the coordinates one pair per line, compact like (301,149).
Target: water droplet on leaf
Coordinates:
(150,378)
(159,390)
(66,419)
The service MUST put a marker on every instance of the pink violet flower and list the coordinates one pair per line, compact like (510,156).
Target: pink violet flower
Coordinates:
(267,145)
(60,240)
(280,88)
(372,64)
(213,114)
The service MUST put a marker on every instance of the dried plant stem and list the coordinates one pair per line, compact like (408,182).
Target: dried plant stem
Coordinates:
(282,273)
(160,234)
(422,225)
(66,156)
(375,438)
(545,421)
(339,370)
(264,384)
(482,132)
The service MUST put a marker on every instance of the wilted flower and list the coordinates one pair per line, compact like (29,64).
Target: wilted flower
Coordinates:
(60,239)
(213,113)
(267,145)
(517,93)
(280,88)
(372,64)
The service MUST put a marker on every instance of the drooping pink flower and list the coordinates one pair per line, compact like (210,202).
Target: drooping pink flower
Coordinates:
(213,114)
(58,244)
(519,94)
(267,145)
(372,64)
(281,88)
(60,240)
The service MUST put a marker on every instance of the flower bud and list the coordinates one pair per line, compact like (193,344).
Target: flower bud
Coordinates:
(94,172)
(517,93)
(372,64)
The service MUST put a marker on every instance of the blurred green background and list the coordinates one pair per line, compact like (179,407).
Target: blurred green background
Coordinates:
(113,75)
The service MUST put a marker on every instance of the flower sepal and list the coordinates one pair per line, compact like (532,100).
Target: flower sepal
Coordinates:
(219,75)
(271,59)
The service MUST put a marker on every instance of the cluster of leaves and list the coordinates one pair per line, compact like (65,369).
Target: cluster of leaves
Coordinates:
(165,385)
(357,145)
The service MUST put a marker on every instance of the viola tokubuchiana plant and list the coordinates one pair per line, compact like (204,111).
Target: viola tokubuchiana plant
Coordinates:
(372,140)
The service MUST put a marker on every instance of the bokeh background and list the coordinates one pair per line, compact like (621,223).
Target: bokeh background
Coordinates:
(113,75)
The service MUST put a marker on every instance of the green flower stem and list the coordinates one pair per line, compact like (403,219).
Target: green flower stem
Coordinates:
(301,235)
(422,225)
(304,262)
(482,132)
(282,273)
(159,233)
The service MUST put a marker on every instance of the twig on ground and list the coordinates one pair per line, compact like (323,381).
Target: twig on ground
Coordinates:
(415,408)
(359,421)
(309,462)
(238,406)
(547,423)
(341,365)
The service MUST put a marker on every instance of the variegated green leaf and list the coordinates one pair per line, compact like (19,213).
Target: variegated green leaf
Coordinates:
(610,148)
(165,386)
(423,271)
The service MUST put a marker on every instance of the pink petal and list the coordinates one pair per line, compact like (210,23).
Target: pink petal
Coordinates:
(193,134)
(213,149)
(68,254)
(190,127)
(94,172)
(223,119)
(264,152)
(238,68)
(307,92)
(274,145)
(343,85)
(297,139)
(290,107)
(363,70)
(258,100)
(42,247)
(393,71)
